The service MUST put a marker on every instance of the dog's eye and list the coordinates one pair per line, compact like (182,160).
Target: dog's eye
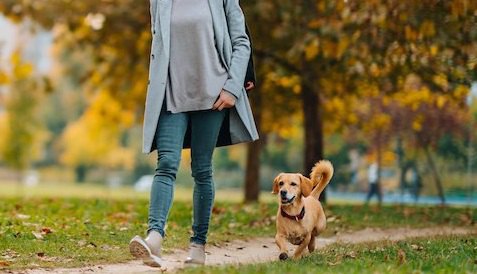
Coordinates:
(280,183)
(293,184)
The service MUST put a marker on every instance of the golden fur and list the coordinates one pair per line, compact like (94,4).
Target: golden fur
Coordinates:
(305,193)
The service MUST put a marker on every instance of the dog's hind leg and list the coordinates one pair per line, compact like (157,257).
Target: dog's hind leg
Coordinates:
(281,242)
(311,245)
(299,250)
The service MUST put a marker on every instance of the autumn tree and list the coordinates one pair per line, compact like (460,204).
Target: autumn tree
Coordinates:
(22,133)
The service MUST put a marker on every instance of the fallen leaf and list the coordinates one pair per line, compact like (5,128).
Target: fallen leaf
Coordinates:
(334,263)
(123,228)
(218,210)
(331,219)
(417,247)
(37,235)
(351,255)
(401,256)
(3,263)
(46,230)
(22,216)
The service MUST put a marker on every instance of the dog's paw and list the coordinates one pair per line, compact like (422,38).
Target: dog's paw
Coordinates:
(283,256)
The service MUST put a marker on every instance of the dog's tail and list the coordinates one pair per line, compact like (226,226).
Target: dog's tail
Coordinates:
(320,176)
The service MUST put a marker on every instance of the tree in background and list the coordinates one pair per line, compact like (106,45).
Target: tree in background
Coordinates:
(22,135)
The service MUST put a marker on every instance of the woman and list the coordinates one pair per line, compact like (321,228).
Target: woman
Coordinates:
(196,98)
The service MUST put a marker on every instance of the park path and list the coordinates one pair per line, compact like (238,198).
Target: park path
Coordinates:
(259,250)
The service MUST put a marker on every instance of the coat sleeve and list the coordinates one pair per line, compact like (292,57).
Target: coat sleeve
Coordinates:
(240,47)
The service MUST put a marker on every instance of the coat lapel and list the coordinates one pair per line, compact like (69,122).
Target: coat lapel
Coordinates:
(165,10)
(217,13)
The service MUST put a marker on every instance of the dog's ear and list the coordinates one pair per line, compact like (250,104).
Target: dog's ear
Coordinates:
(276,188)
(306,185)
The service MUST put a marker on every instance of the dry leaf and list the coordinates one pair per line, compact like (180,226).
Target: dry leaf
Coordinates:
(351,255)
(401,256)
(22,216)
(46,230)
(331,219)
(3,263)
(37,235)
(417,247)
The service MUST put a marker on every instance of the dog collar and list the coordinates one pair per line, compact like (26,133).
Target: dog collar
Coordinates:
(296,217)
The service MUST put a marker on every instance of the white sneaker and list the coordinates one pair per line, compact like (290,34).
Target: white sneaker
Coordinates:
(196,254)
(148,250)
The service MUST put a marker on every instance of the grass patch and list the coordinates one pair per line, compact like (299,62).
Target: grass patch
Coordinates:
(69,232)
(450,254)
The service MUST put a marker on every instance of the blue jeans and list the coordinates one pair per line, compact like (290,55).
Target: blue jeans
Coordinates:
(171,129)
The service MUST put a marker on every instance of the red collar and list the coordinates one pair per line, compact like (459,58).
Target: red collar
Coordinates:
(296,217)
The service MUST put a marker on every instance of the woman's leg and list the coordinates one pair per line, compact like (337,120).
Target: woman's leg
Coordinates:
(170,133)
(205,128)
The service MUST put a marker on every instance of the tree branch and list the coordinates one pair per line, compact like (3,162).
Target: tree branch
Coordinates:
(277,59)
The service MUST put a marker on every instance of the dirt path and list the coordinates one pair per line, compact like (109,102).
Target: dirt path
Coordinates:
(261,250)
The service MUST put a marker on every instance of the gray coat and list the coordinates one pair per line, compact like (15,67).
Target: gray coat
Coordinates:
(233,47)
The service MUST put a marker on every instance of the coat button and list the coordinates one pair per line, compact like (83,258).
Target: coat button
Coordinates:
(148,82)
(154,32)
(152,55)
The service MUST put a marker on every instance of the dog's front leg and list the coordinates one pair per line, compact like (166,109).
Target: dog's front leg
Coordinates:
(299,250)
(282,245)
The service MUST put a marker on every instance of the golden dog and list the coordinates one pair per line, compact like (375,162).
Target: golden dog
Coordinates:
(300,217)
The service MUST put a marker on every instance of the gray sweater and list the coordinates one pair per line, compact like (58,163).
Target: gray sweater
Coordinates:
(196,74)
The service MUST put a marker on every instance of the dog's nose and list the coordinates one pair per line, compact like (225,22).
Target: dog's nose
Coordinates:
(283,193)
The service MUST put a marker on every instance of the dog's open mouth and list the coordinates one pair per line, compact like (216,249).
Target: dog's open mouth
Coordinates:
(288,200)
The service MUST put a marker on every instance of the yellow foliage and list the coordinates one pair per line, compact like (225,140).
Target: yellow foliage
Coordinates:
(428,29)
(342,46)
(388,158)
(441,80)
(94,138)
(416,125)
(312,49)
(374,70)
(3,78)
(21,70)
(460,92)
(5,130)
(410,33)
(441,101)
(434,49)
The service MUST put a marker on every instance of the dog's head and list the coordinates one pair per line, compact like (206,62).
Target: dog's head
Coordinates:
(291,186)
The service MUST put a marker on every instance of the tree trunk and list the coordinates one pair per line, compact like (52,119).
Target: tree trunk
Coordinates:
(379,161)
(437,179)
(313,150)
(252,173)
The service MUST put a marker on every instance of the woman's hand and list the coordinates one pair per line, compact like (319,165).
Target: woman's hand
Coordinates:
(225,100)
(249,86)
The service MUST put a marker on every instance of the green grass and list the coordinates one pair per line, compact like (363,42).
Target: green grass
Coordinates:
(88,231)
(450,254)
